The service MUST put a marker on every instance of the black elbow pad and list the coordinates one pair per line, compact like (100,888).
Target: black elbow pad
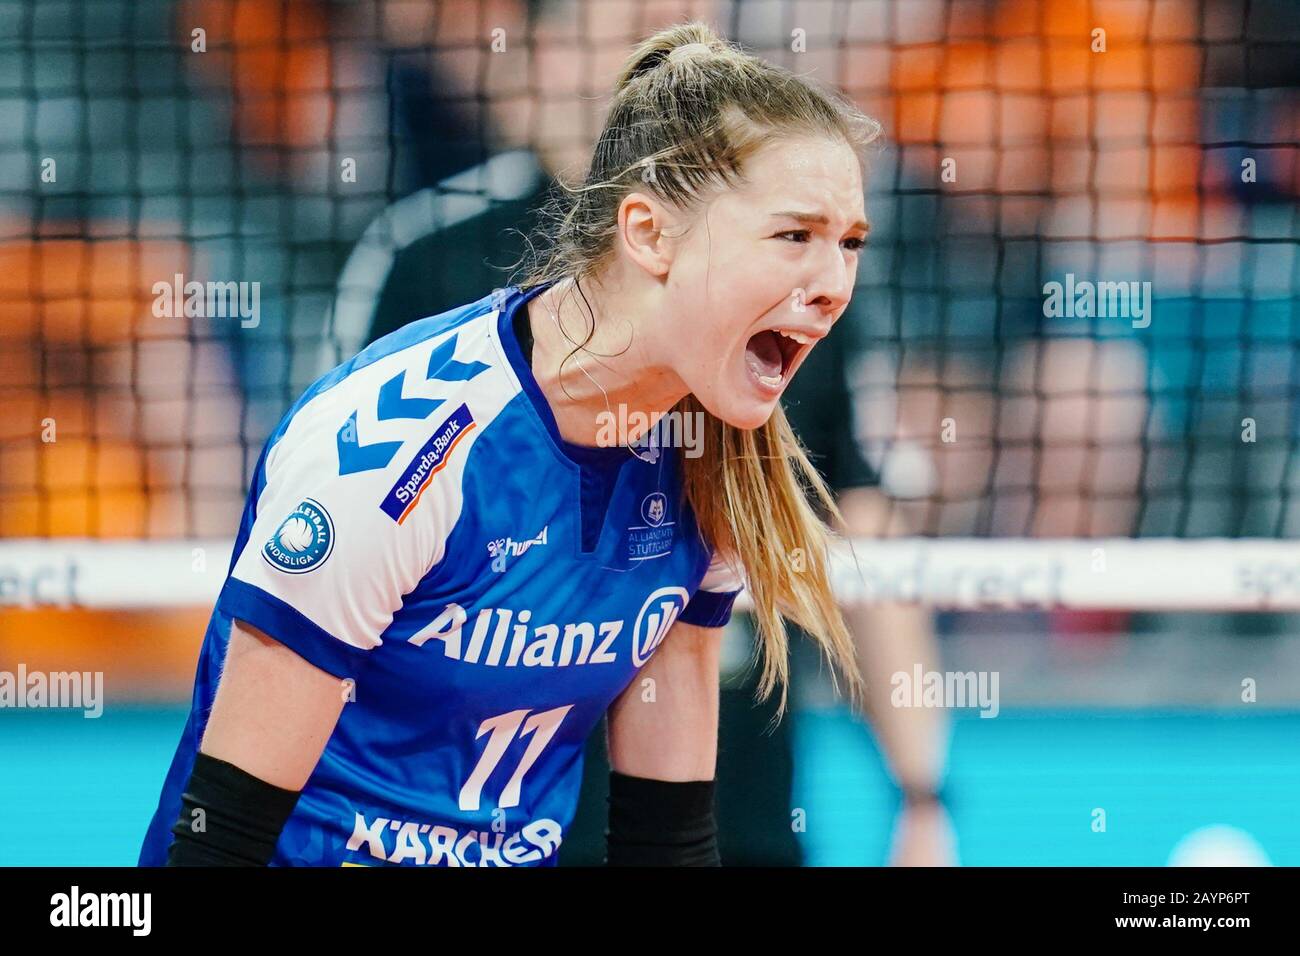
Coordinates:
(228,817)
(661,823)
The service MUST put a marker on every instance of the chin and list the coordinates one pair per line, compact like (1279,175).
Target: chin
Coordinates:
(746,415)
(736,402)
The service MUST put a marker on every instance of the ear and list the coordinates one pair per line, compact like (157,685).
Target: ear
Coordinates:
(645,230)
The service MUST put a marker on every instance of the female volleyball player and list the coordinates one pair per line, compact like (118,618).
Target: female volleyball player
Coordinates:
(445,573)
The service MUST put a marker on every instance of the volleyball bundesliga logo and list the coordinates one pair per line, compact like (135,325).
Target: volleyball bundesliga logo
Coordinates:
(304,540)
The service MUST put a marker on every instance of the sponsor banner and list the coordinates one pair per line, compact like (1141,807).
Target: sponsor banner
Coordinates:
(430,459)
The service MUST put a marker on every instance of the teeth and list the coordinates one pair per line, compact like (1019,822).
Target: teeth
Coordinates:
(797,336)
(770,380)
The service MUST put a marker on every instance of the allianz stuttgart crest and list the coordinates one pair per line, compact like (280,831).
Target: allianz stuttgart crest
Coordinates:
(653,508)
(653,538)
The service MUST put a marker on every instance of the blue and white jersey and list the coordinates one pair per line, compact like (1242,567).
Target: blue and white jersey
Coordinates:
(415,524)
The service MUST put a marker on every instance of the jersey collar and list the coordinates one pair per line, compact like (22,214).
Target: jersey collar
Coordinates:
(578,454)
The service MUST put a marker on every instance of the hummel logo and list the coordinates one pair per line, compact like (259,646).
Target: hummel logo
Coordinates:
(502,547)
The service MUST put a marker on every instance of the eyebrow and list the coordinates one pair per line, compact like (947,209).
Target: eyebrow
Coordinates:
(818,218)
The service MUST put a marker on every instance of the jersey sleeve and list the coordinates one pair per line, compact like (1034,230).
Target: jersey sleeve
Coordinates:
(330,555)
(711,604)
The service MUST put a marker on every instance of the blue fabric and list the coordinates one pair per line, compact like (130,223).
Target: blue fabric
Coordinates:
(709,608)
(562,571)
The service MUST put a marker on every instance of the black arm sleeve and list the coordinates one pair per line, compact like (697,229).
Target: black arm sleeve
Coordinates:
(661,823)
(228,817)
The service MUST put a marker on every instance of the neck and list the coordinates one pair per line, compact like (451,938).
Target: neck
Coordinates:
(621,357)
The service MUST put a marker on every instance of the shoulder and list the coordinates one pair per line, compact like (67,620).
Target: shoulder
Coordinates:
(363,484)
(358,418)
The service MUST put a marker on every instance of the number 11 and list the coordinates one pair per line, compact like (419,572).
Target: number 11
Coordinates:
(503,728)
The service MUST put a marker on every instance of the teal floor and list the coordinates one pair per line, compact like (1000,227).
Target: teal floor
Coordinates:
(1025,786)
(80,792)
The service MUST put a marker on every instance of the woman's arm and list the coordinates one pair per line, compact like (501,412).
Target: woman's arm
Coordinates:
(271,718)
(274,711)
(892,638)
(664,726)
(663,751)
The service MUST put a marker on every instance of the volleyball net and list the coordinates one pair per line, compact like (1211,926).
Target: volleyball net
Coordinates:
(1075,361)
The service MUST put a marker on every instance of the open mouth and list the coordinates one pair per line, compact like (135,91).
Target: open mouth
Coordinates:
(769,355)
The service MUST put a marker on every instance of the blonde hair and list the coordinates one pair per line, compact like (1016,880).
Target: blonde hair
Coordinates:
(692,107)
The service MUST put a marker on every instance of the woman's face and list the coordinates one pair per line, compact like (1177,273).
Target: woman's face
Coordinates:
(777,253)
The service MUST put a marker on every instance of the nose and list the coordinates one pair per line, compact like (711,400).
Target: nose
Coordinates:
(833,285)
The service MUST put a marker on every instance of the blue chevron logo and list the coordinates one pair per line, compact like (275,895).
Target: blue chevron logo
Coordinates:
(443,365)
(355,457)
(393,405)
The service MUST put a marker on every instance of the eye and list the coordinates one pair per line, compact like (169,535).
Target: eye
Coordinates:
(855,244)
(804,233)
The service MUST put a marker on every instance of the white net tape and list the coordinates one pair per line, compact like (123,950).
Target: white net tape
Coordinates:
(957,573)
